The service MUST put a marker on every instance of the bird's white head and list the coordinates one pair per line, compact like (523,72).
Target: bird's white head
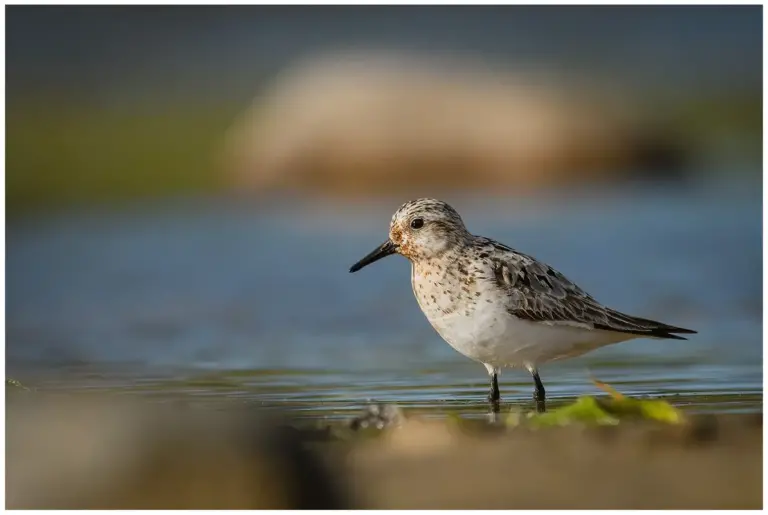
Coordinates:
(421,229)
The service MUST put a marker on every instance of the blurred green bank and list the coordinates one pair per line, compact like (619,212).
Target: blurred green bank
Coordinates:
(61,155)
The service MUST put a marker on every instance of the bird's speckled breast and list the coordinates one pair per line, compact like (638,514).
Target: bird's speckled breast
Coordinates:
(463,309)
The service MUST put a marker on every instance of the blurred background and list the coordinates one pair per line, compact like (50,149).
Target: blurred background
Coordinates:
(187,187)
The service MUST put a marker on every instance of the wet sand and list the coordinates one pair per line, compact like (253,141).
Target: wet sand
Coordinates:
(104,453)
(714,462)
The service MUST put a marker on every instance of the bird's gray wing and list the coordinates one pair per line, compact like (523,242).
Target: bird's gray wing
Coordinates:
(539,293)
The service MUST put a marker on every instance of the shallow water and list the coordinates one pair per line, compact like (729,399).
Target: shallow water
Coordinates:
(207,301)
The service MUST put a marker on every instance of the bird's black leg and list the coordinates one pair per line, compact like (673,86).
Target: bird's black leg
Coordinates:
(494,396)
(539,395)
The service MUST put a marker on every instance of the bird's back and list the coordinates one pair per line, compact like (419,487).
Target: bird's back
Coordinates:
(538,293)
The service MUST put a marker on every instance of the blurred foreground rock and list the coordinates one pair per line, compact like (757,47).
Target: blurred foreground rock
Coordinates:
(77,454)
(109,454)
(370,123)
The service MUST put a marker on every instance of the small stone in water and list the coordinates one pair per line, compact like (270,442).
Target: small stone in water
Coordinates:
(378,415)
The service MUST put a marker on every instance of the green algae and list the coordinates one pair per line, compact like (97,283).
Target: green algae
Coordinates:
(600,411)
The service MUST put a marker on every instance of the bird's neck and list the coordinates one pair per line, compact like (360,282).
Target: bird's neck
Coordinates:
(437,265)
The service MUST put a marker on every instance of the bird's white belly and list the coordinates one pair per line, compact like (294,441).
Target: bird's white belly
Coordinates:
(494,337)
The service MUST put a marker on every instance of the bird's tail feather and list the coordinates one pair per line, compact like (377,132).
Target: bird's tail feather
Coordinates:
(629,324)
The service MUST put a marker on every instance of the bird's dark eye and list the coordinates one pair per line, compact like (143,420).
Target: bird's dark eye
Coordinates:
(417,223)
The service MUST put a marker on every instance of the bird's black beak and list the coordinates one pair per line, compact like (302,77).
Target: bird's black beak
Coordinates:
(385,249)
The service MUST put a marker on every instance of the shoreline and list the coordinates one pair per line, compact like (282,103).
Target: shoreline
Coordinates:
(97,451)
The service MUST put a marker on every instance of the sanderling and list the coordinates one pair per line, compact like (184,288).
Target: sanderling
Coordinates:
(496,305)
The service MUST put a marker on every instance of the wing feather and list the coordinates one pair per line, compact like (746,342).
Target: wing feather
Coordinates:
(539,293)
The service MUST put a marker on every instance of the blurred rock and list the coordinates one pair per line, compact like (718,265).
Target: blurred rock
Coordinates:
(371,123)
(110,454)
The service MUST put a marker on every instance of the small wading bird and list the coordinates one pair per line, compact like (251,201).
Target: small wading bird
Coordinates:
(496,305)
